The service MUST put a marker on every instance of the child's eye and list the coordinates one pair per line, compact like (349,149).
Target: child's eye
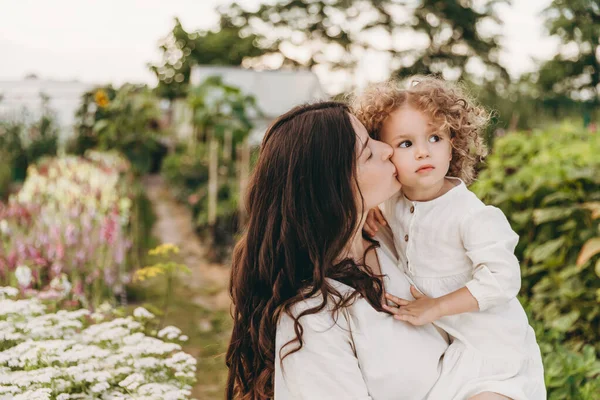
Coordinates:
(405,144)
(434,138)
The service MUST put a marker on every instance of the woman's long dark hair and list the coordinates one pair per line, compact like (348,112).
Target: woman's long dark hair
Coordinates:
(302,215)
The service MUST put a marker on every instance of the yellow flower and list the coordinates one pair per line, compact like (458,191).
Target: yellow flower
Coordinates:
(147,272)
(164,249)
(101,98)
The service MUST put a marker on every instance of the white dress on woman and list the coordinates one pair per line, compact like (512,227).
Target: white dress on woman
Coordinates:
(455,241)
(363,355)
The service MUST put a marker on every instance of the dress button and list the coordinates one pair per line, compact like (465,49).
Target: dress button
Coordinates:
(412,209)
(406,238)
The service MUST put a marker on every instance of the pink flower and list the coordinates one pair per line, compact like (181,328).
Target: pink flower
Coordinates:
(108,229)
(70,235)
(56,268)
(49,294)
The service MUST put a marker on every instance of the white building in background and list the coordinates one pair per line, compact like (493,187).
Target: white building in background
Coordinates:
(21,99)
(275,91)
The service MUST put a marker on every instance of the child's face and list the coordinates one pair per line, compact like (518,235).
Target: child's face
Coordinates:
(421,154)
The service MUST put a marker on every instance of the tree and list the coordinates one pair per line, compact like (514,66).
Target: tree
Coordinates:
(454,40)
(181,50)
(335,34)
(575,71)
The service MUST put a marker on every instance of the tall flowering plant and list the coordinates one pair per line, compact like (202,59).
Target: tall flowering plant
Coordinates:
(64,235)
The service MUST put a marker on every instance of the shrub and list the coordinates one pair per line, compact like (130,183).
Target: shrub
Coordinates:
(547,182)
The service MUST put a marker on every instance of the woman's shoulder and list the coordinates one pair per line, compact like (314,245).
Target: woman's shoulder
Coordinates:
(315,317)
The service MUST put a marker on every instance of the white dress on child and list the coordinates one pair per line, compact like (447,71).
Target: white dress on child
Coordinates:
(455,241)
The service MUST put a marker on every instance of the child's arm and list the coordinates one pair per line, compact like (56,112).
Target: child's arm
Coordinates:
(374,218)
(490,244)
(424,310)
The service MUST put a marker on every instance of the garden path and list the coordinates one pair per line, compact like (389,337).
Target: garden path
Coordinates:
(174,224)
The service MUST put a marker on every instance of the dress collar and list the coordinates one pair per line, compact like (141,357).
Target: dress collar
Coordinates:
(460,187)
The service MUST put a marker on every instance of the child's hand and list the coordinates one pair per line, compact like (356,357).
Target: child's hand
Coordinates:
(420,311)
(374,217)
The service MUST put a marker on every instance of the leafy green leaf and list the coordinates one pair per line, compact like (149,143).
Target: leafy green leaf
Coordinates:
(549,214)
(565,323)
(542,252)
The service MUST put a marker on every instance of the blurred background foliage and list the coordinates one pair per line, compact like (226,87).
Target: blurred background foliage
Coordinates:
(543,171)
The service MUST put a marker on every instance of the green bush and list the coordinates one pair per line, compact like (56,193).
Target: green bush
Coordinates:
(27,140)
(186,171)
(546,182)
(5,174)
(126,120)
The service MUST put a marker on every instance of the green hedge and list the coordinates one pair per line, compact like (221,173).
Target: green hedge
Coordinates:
(545,181)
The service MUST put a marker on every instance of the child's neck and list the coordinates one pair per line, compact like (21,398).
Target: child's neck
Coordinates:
(427,193)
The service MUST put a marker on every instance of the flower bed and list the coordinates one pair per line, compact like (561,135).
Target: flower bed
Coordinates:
(81,355)
(65,235)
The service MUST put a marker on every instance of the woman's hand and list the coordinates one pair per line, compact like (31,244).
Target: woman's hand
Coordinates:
(420,311)
(374,217)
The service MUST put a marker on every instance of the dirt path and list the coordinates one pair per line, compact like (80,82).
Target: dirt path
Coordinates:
(174,225)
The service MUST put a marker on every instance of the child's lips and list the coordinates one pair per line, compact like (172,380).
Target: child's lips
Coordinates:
(425,168)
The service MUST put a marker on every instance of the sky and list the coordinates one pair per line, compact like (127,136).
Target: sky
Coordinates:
(113,40)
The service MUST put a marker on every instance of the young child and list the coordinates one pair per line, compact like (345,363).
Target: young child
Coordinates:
(458,252)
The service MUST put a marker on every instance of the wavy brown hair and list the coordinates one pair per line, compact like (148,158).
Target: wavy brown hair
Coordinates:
(302,214)
(446,103)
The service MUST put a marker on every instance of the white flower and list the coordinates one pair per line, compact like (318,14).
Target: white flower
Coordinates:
(132,381)
(61,283)
(183,338)
(100,387)
(171,332)
(23,274)
(56,355)
(142,313)
(97,317)
(35,394)
(8,291)
(4,228)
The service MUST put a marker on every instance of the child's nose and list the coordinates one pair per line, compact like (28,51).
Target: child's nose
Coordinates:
(421,152)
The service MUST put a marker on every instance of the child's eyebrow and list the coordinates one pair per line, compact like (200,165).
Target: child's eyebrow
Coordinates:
(400,135)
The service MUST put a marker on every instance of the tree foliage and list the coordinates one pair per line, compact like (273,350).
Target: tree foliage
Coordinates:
(426,36)
(575,70)
(181,50)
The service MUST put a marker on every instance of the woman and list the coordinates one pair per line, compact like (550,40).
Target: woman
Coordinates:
(307,287)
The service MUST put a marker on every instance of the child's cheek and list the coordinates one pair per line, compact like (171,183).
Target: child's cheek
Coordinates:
(398,162)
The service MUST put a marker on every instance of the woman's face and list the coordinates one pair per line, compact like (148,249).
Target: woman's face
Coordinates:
(376,174)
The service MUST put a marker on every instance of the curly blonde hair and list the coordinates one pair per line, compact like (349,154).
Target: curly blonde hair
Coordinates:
(447,104)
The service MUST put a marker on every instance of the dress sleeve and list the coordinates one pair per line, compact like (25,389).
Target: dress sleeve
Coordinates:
(326,367)
(490,243)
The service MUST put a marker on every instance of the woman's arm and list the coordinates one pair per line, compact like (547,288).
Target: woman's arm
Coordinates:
(325,367)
